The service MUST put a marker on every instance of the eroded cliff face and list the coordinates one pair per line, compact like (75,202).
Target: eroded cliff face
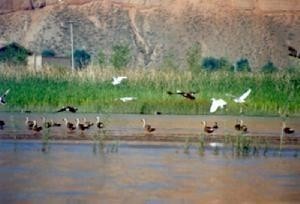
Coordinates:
(158,31)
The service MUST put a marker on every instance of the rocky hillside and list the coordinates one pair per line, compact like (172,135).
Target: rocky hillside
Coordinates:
(158,31)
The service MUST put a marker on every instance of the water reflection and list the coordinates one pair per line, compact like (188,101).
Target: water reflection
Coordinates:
(143,172)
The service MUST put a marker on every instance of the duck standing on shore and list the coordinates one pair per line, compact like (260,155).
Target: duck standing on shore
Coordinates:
(147,127)
(206,128)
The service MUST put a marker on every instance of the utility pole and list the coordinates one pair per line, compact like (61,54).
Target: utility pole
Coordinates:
(72,41)
(72,44)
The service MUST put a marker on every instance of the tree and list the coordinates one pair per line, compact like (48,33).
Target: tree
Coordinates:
(120,56)
(242,65)
(14,54)
(193,58)
(81,59)
(211,64)
(48,53)
(269,68)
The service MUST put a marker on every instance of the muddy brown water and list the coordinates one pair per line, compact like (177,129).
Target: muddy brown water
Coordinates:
(143,172)
(73,171)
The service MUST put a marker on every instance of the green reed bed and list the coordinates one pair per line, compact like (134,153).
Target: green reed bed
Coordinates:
(91,90)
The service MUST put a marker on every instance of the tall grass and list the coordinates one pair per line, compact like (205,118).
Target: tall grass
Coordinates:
(91,90)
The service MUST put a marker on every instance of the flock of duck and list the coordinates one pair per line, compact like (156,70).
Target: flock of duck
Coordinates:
(84,125)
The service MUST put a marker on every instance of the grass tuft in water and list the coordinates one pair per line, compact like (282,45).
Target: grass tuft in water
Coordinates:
(187,146)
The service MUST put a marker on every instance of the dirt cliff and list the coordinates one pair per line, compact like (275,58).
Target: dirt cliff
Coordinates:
(158,31)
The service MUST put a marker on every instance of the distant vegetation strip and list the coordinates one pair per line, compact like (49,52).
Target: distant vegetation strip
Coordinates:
(91,90)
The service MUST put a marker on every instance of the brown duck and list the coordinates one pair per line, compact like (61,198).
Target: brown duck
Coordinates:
(147,127)
(69,125)
(206,128)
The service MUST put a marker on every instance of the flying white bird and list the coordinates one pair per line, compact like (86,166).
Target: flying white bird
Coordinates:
(242,98)
(217,103)
(118,80)
(2,98)
(126,99)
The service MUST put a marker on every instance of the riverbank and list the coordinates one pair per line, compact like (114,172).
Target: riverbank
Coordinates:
(169,128)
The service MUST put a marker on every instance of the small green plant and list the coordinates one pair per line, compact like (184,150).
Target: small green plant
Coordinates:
(266,147)
(81,59)
(45,140)
(120,56)
(201,145)
(269,68)
(101,58)
(187,145)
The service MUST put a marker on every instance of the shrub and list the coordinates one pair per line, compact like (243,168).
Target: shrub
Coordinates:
(14,54)
(120,56)
(169,61)
(193,58)
(81,59)
(48,53)
(211,63)
(269,68)
(243,65)
(225,64)
(101,58)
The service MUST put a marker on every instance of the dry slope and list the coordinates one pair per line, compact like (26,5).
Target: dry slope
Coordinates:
(158,31)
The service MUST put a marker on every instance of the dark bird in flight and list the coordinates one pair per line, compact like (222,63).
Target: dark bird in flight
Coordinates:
(2,98)
(189,95)
(68,108)
(293,52)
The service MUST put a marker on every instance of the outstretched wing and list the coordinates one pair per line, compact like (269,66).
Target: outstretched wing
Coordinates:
(245,95)
(214,106)
(5,93)
(62,109)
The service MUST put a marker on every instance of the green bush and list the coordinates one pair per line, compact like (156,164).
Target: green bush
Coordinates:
(14,54)
(269,68)
(120,56)
(213,64)
(48,53)
(243,65)
(81,59)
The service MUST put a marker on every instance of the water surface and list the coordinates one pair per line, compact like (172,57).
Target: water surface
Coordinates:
(137,172)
